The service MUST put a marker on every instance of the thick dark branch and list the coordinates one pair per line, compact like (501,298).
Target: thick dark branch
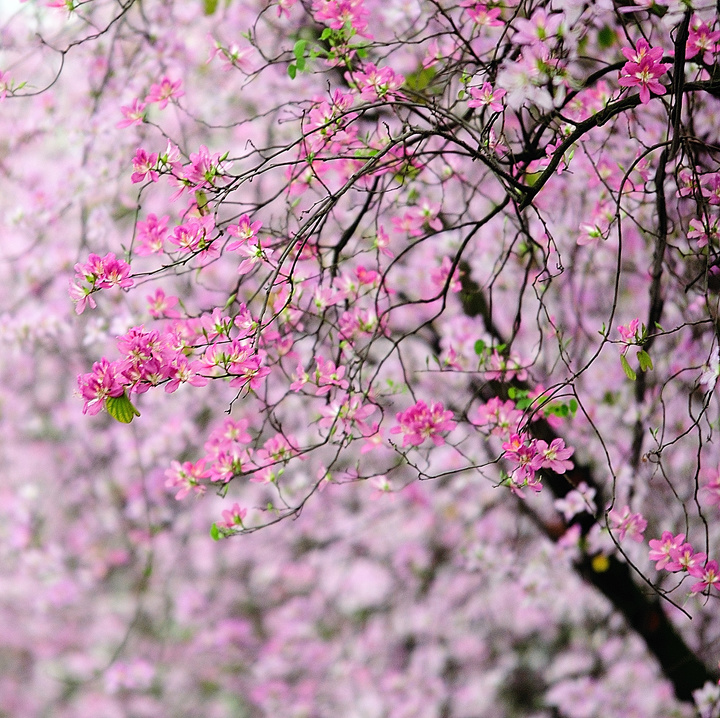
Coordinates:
(643,611)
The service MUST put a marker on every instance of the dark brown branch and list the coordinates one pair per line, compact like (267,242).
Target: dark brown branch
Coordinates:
(643,611)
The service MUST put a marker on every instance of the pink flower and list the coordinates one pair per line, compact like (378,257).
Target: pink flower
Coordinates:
(161,306)
(662,548)
(346,412)
(705,235)
(440,275)
(711,490)
(505,369)
(186,477)
(684,558)
(577,501)
(702,40)
(377,83)
(104,272)
(194,236)
(480,15)
(382,242)
(487,97)
(709,576)
(338,13)
(711,188)
(162,91)
(523,452)
(643,70)
(144,164)
(134,114)
(421,422)
(6,85)
(81,297)
(627,524)
(284,7)
(102,382)
(538,28)
(629,334)
(328,375)
(232,56)
(500,416)
(233,517)
(244,230)
(151,235)
(555,457)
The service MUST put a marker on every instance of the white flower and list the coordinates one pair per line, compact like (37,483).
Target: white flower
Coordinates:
(712,370)
(707,700)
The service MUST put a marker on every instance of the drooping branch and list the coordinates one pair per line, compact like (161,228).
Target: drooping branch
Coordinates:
(642,609)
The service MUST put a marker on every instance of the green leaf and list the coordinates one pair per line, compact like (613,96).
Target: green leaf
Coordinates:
(645,360)
(211,6)
(326,33)
(419,81)
(214,532)
(573,406)
(121,408)
(606,37)
(301,64)
(292,71)
(479,347)
(629,372)
(299,50)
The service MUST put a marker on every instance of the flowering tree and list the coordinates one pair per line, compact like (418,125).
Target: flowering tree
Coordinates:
(426,291)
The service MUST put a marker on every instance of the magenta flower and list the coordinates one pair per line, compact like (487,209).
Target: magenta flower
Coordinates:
(151,234)
(244,230)
(162,91)
(643,70)
(524,453)
(627,524)
(328,375)
(662,548)
(684,558)
(186,477)
(709,576)
(143,165)
(336,14)
(233,517)
(160,305)
(421,422)
(485,96)
(555,457)
(134,114)
(102,382)
(702,40)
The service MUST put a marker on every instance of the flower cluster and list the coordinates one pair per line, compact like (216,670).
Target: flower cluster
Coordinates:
(326,376)
(377,83)
(530,455)
(628,524)
(185,352)
(421,422)
(674,554)
(501,418)
(99,273)
(337,14)
(643,69)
